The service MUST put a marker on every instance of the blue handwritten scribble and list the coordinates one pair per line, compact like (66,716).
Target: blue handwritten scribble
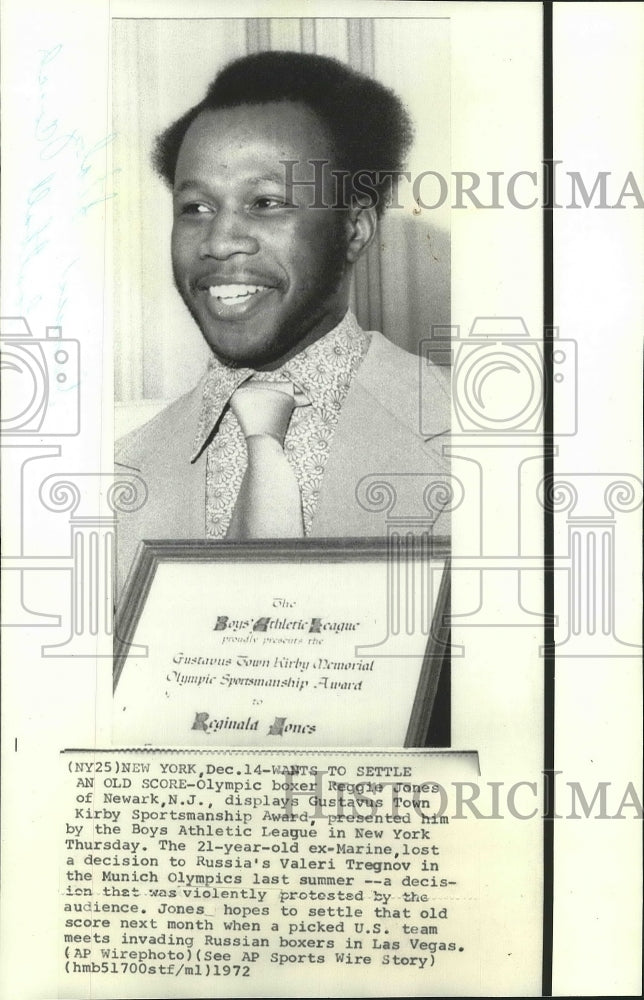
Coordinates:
(72,183)
(62,291)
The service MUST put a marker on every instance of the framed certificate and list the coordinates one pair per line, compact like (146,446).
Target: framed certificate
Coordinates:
(312,643)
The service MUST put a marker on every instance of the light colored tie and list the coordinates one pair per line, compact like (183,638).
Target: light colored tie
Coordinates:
(269,504)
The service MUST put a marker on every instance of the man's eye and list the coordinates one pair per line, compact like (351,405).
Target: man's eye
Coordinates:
(269,202)
(194,208)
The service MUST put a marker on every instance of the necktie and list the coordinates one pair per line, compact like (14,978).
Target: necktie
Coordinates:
(269,503)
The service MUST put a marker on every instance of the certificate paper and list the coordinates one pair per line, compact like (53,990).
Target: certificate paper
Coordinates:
(279,653)
(149,853)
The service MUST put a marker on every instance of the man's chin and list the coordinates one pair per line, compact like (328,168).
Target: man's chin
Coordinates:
(242,354)
(266,342)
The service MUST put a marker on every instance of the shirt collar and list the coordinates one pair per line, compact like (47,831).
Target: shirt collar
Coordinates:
(323,372)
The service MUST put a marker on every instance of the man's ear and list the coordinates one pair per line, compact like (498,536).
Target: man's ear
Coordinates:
(361,229)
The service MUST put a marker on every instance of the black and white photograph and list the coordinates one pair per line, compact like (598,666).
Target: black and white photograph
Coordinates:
(321,462)
(325,280)
(302,321)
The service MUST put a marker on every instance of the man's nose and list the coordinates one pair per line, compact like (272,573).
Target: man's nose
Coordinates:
(227,233)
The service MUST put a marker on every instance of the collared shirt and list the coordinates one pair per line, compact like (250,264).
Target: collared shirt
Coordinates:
(323,372)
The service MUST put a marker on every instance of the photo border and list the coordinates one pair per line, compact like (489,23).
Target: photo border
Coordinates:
(549,809)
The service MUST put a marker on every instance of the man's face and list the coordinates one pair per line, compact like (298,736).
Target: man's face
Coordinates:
(262,275)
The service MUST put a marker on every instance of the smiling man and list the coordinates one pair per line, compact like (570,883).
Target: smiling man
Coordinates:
(263,273)
(279,176)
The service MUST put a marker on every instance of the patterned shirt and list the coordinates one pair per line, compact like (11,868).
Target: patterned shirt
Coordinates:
(323,373)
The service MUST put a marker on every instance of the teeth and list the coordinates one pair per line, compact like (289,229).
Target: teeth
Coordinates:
(234,293)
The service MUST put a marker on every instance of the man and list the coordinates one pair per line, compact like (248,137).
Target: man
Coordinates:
(279,176)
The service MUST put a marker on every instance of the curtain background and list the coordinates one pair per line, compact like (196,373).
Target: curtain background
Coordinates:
(161,67)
